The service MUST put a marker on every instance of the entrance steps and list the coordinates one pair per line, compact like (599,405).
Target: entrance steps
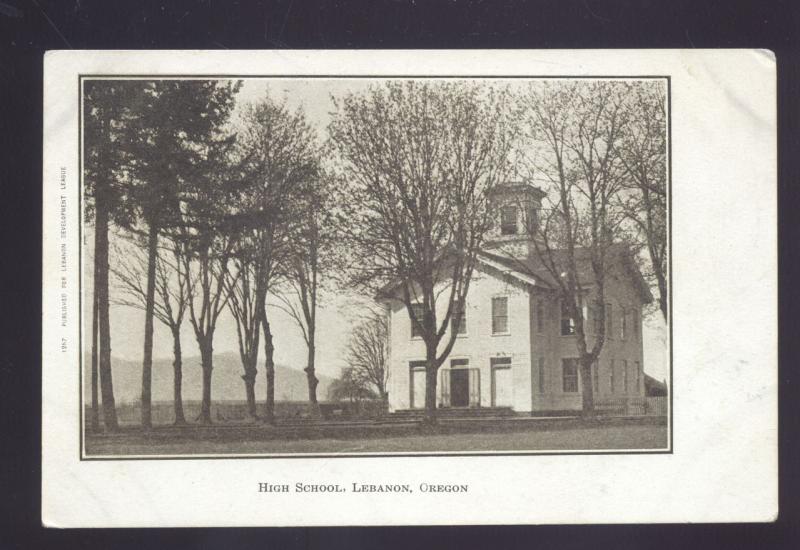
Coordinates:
(455,412)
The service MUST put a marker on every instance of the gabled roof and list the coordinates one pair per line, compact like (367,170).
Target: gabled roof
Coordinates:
(531,271)
(513,268)
(534,267)
(520,267)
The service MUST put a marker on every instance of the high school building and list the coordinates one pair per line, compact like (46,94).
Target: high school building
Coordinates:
(515,346)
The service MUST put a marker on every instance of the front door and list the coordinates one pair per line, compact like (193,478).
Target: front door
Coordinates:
(459,387)
(502,391)
(417,384)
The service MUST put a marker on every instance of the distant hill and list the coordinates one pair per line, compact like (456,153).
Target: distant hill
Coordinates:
(226,382)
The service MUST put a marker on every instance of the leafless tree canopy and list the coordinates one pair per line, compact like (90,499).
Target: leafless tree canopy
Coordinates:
(595,148)
(279,157)
(367,352)
(644,200)
(419,160)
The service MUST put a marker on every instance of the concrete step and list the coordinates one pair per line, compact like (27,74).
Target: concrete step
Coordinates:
(467,412)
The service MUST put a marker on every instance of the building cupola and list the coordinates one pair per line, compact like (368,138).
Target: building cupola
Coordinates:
(516,207)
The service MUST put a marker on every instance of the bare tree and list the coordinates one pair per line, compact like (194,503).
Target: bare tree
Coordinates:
(172,292)
(574,130)
(419,160)
(643,153)
(350,386)
(312,259)
(210,229)
(244,306)
(279,163)
(367,352)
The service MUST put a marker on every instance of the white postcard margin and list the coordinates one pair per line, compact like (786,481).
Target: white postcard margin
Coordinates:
(724,465)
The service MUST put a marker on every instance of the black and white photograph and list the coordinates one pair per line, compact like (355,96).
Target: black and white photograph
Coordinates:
(306,288)
(403,265)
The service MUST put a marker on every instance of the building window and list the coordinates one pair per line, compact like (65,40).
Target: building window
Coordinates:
(508,220)
(500,315)
(540,316)
(532,221)
(609,321)
(418,312)
(623,326)
(593,316)
(595,377)
(637,378)
(635,324)
(459,309)
(611,376)
(541,374)
(624,376)
(567,322)
(569,368)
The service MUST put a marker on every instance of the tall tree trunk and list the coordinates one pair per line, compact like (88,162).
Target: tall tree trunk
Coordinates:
(384,395)
(249,378)
(104,325)
(269,366)
(207,363)
(149,315)
(95,403)
(311,377)
(587,390)
(177,377)
(431,369)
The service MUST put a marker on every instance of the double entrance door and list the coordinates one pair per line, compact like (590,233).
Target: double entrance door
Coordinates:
(461,385)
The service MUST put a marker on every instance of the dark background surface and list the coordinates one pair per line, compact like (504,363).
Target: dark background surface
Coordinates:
(30,27)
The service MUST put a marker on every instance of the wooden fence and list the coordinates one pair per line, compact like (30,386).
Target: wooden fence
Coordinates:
(233,411)
(633,406)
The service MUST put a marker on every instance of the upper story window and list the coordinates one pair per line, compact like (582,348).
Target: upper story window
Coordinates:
(609,321)
(459,326)
(531,220)
(418,311)
(567,322)
(508,220)
(500,315)
(596,318)
(635,323)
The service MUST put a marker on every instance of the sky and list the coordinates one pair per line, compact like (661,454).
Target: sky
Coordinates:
(338,310)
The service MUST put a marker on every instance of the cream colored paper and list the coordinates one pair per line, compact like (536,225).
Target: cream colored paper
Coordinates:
(723,461)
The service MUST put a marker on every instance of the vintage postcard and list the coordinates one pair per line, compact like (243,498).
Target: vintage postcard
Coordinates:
(421,287)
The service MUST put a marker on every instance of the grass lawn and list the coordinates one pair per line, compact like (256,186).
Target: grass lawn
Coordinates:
(517,437)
